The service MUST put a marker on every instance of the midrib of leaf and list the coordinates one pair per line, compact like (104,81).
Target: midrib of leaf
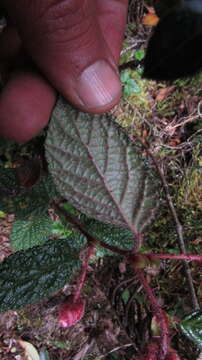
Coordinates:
(98,169)
(103,178)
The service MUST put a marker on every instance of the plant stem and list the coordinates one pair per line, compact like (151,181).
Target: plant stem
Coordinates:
(82,277)
(188,257)
(179,228)
(91,239)
(160,314)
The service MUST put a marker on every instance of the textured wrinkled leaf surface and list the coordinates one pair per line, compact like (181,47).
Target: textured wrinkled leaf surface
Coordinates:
(110,234)
(8,182)
(191,326)
(98,170)
(24,202)
(28,233)
(28,276)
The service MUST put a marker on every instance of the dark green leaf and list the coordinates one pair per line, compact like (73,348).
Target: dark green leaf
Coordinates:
(59,230)
(9,184)
(98,170)
(191,326)
(24,202)
(125,296)
(139,54)
(28,233)
(111,235)
(28,276)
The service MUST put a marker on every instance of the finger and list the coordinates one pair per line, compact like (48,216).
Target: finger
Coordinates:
(10,43)
(27,100)
(112,18)
(66,41)
(26,103)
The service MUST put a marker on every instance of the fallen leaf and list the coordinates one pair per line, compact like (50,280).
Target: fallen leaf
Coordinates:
(150,19)
(174,141)
(163,93)
(30,351)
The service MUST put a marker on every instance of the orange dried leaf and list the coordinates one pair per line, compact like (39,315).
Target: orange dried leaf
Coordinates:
(150,19)
(164,92)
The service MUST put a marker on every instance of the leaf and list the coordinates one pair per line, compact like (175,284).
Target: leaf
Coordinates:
(125,76)
(29,172)
(30,351)
(28,233)
(28,276)
(191,326)
(98,170)
(131,87)
(9,184)
(139,55)
(173,50)
(150,19)
(125,296)
(59,230)
(111,235)
(24,202)
(44,355)
(163,93)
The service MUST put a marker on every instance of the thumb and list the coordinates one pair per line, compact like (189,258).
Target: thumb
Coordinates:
(65,40)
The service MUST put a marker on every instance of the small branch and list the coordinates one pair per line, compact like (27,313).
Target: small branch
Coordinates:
(115,349)
(82,277)
(179,228)
(157,310)
(121,284)
(188,257)
(91,239)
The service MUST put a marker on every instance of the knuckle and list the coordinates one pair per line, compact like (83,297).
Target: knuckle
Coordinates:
(65,20)
(56,9)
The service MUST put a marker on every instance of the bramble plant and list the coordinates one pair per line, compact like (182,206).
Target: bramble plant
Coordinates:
(101,183)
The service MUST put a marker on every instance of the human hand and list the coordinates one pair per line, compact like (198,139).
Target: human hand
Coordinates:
(75,45)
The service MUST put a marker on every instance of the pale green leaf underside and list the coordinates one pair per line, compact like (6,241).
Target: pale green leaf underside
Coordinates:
(98,169)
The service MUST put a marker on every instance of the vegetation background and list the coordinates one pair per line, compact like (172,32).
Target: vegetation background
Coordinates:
(167,116)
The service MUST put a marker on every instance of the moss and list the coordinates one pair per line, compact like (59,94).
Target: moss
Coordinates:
(193,83)
(190,191)
(136,102)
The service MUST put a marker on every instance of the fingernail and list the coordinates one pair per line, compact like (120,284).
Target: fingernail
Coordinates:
(98,85)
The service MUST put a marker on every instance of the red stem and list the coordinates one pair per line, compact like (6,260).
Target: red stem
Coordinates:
(92,240)
(157,310)
(189,257)
(82,277)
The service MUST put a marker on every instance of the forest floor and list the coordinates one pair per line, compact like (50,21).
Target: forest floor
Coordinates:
(117,322)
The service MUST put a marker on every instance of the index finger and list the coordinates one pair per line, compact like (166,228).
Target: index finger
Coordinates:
(112,15)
